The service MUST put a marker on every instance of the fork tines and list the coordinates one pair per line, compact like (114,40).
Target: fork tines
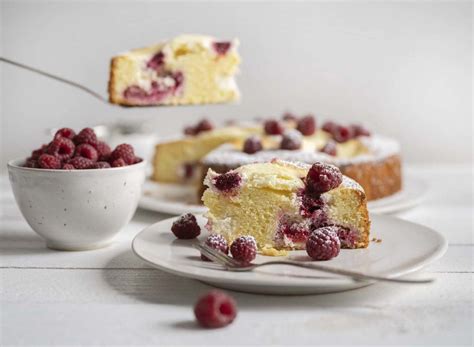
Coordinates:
(216,256)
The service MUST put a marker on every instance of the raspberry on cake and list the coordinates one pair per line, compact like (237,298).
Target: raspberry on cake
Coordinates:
(277,204)
(188,69)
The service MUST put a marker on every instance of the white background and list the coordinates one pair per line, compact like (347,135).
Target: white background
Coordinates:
(402,68)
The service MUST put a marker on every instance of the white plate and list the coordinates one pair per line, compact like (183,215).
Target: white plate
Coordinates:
(178,199)
(405,247)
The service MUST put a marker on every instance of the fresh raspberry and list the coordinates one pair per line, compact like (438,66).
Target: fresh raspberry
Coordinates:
(103,150)
(203,125)
(252,145)
(288,116)
(329,148)
(61,147)
(342,133)
(124,151)
(306,125)
(186,227)
(244,249)
(31,163)
(86,151)
(291,140)
(81,163)
(37,152)
(322,178)
(227,181)
(101,165)
(189,130)
(217,242)
(359,130)
(67,133)
(48,161)
(323,244)
(273,127)
(329,126)
(221,47)
(68,167)
(215,309)
(118,163)
(86,135)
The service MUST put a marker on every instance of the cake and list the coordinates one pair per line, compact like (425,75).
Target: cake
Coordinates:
(279,203)
(188,69)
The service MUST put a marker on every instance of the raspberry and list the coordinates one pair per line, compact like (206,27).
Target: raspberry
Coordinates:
(61,147)
(347,237)
(323,244)
(31,163)
(86,135)
(291,140)
(118,163)
(103,150)
(218,242)
(37,152)
(81,163)
(228,181)
(221,47)
(306,125)
(203,125)
(342,134)
(48,161)
(244,249)
(252,145)
(156,62)
(215,309)
(296,232)
(329,126)
(124,151)
(68,167)
(359,130)
(189,130)
(67,133)
(86,151)
(322,178)
(101,165)
(329,148)
(310,204)
(288,116)
(186,227)
(273,127)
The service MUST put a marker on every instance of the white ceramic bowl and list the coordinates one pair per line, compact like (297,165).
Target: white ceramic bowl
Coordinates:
(78,209)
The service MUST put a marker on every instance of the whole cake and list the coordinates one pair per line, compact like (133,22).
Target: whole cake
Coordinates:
(280,203)
(188,69)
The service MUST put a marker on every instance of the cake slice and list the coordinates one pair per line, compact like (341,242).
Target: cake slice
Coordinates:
(189,69)
(280,203)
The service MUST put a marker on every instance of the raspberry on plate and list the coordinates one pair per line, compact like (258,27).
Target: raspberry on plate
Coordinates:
(323,244)
(217,242)
(306,125)
(87,151)
(186,227)
(322,178)
(215,309)
(244,249)
(252,145)
(48,161)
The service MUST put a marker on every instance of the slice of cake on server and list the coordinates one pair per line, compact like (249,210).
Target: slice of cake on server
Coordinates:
(281,203)
(189,69)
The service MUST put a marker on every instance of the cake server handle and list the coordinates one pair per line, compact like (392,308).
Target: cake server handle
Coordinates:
(57,78)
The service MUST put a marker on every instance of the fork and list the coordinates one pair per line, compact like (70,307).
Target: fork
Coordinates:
(233,265)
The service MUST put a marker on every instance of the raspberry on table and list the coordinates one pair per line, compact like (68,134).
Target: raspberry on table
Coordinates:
(329,148)
(244,249)
(101,165)
(306,125)
(81,163)
(342,133)
(227,181)
(118,163)
(67,133)
(252,145)
(217,242)
(273,127)
(103,150)
(68,166)
(215,309)
(86,151)
(291,140)
(61,147)
(124,151)
(322,178)
(186,227)
(323,244)
(86,135)
(48,161)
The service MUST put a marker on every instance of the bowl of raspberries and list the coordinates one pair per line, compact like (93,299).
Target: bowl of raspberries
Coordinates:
(77,192)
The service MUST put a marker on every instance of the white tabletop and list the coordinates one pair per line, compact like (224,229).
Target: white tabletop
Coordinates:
(110,297)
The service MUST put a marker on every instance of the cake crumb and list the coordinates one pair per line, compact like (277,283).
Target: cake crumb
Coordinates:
(273,252)
(376,240)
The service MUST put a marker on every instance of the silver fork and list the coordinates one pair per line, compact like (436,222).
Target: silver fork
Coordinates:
(233,265)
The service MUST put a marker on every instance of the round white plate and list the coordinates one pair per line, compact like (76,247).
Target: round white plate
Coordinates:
(405,247)
(178,199)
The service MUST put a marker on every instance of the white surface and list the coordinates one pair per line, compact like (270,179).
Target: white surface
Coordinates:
(179,198)
(403,68)
(78,209)
(109,296)
(421,246)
